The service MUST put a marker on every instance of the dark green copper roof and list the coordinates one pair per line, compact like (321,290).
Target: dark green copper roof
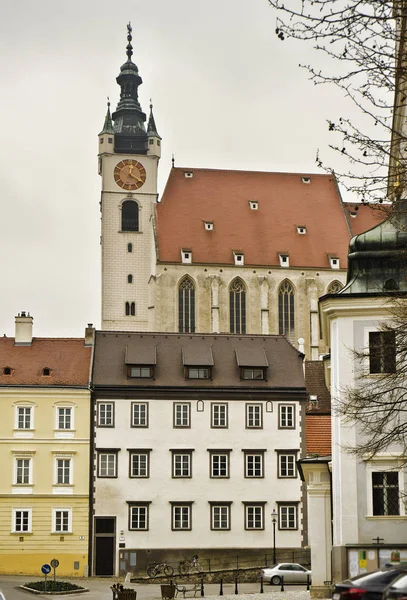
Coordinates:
(151,128)
(108,125)
(129,119)
(377,259)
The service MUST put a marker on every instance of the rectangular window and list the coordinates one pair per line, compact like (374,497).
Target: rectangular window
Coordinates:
(23,471)
(64,418)
(254,515)
(287,516)
(22,520)
(62,521)
(286,465)
(140,463)
(181,516)
(182,415)
(286,416)
(253,373)
(107,464)
(141,372)
(254,464)
(105,413)
(219,464)
(220,516)
(63,471)
(254,416)
(138,517)
(181,464)
(198,372)
(219,415)
(386,498)
(24,417)
(139,414)
(382,352)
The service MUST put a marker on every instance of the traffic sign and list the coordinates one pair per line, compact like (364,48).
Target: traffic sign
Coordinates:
(46,569)
(54,563)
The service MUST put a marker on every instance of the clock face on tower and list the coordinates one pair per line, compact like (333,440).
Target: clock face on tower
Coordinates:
(129,174)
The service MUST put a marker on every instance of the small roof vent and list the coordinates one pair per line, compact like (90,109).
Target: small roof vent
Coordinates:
(188,174)
(186,256)
(254,205)
(284,259)
(301,229)
(208,225)
(306,179)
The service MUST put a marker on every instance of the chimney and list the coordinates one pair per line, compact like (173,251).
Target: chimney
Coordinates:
(89,334)
(24,329)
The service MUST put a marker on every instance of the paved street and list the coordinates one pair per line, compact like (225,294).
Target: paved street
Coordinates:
(99,589)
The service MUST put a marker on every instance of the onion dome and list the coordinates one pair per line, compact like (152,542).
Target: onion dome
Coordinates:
(377,258)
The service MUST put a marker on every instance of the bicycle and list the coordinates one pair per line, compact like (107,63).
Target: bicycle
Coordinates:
(155,569)
(185,566)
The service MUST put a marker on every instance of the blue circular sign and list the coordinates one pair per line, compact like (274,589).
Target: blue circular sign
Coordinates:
(46,569)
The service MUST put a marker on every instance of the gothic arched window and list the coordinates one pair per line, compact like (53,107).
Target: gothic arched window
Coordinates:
(334,287)
(130,216)
(286,310)
(237,306)
(186,306)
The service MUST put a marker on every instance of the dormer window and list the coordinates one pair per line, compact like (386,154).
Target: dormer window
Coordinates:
(313,400)
(306,179)
(301,229)
(141,372)
(198,372)
(284,259)
(334,262)
(253,373)
(186,256)
(7,371)
(188,174)
(208,225)
(254,205)
(46,372)
(238,257)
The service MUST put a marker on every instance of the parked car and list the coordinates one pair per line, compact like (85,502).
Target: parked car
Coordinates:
(292,573)
(369,586)
(397,590)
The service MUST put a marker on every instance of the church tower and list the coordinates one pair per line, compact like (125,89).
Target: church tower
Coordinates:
(128,164)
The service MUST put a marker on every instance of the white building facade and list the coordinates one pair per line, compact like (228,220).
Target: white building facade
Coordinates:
(193,453)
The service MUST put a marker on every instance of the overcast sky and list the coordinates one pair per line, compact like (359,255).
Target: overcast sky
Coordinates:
(227,93)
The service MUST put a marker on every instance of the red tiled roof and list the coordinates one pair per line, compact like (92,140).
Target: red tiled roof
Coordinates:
(284,202)
(318,434)
(362,217)
(67,358)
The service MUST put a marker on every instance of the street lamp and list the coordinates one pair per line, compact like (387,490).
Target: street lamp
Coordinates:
(274,516)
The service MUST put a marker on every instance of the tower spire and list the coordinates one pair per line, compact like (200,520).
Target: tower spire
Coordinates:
(129,48)
(108,125)
(129,119)
(151,127)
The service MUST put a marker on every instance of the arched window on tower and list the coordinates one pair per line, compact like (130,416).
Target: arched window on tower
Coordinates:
(334,287)
(237,306)
(286,316)
(130,212)
(130,309)
(186,306)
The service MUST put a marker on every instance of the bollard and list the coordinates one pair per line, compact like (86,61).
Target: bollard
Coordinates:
(221,588)
(282,584)
(308,583)
(236,590)
(202,588)
(261,585)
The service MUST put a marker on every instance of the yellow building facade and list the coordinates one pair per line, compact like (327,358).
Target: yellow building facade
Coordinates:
(44,451)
